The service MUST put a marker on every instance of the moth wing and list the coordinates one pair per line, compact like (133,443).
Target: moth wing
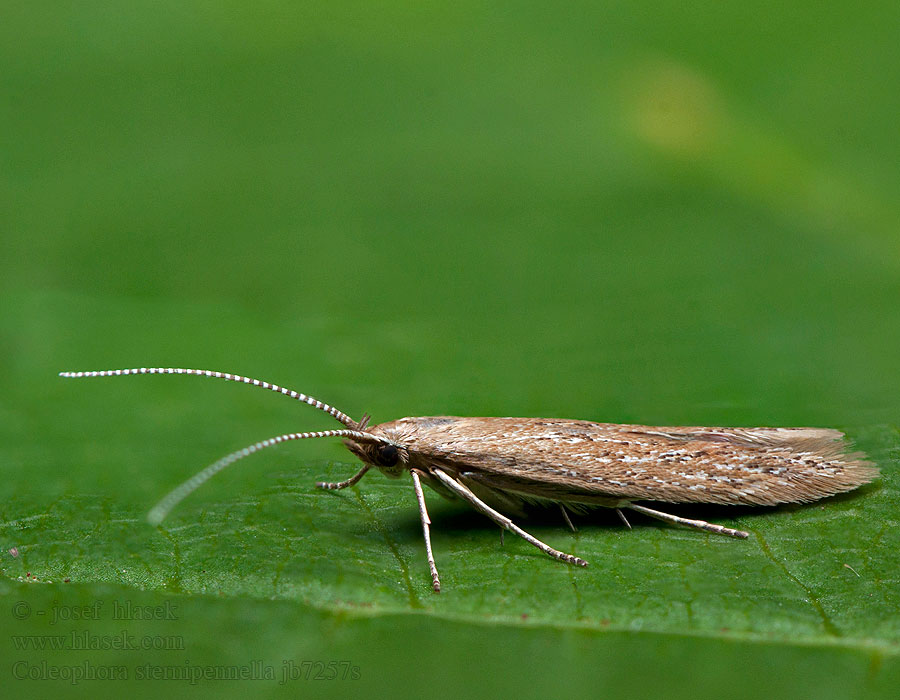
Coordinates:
(577,461)
(605,463)
(825,442)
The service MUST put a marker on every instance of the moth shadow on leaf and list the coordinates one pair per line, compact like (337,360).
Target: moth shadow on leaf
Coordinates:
(447,518)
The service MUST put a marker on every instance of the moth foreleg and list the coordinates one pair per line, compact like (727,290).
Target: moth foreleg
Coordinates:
(426,530)
(504,522)
(698,524)
(334,485)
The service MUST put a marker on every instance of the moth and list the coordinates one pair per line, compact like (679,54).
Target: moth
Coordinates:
(499,464)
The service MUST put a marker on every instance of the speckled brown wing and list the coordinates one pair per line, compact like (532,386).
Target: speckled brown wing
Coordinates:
(606,463)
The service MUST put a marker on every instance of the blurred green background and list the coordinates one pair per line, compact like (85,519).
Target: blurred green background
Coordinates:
(630,212)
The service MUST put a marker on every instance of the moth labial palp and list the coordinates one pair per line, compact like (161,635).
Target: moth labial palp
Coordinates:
(499,464)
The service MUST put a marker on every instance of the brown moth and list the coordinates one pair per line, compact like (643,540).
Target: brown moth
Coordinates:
(498,464)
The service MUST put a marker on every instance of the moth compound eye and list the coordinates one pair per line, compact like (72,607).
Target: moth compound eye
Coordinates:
(387,456)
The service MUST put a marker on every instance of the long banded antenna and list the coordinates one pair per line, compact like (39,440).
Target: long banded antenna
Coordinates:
(330,410)
(179,493)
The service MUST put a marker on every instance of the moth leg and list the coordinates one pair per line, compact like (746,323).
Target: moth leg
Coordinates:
(504,522)
(624,519)
(334,485)
(565,515)
(426,521)
(698,524)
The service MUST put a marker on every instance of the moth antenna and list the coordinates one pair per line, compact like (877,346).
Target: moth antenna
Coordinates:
(330,410)
(158,513)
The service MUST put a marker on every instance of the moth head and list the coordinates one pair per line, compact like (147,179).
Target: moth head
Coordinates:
(386,456)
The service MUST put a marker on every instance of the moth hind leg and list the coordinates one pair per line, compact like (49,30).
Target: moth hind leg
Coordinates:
(687,522)
(497,498)
(565,514)
(465,493)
